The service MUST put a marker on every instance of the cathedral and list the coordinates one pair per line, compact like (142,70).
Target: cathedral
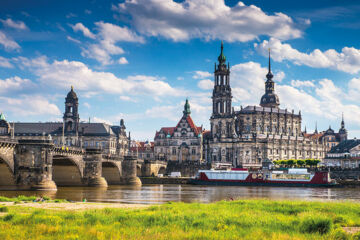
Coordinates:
(250,135)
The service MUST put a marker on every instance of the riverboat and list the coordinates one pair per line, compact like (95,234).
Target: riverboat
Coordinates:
(293,177)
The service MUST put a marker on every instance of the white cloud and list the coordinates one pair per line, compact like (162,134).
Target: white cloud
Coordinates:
(123,60)
(14,84)
(73,40)
(14,24)
(8,43)
(63,74)
(248,82)
(279,76)
(100,120)
(128,99)
(206,19)
(348,60)
(201,75)
(206,84)
(4,62)
(180,78)
(29,105)
(299,83)
(87,105)
(106,42)
(80,27)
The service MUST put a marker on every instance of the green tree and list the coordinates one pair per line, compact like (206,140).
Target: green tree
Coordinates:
(290,162)
(300,163)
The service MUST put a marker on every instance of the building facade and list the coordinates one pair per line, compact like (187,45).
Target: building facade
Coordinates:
(344,155)
(180,143)
(252,134)
(144,150)
(71,132)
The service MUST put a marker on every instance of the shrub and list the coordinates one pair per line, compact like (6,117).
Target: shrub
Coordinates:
(320,225)
(9,217)
(4,209)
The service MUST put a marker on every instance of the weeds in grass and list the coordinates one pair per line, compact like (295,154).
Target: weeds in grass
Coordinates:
(246,219)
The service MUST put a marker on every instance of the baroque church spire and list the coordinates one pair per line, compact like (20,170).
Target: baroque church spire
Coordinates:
(269,99)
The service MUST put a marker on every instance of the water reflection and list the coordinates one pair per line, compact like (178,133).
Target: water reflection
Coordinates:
(154,194)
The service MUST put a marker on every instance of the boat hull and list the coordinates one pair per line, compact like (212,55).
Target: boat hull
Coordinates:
(263,184)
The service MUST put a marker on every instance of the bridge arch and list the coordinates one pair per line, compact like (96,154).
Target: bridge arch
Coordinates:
(111,172)
(7,178)
(162,170)
(67,171)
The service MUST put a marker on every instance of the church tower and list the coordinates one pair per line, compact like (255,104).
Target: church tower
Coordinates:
(221,118)
(71,115)
(270,99)
(342,130)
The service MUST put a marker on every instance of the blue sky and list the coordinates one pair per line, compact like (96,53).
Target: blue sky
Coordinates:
(139,60)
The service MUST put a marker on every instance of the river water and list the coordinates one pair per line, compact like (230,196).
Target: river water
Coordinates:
(157,194)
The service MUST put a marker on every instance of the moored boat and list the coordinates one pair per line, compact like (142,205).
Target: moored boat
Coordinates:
(293,177)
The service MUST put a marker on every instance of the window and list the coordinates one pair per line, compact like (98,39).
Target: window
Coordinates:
(174,151)
(193,151)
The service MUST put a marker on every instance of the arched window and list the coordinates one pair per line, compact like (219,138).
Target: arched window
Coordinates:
(225,107)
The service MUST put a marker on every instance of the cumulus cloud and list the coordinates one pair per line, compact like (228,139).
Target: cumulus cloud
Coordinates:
(123,60)
(14,24)
(29,105)
(8,43)
(80,27)
(205,19)
(348,60)
(206,84)
(299,83)
(14,84)
(107,38)
(201,75)
(248,82)
(63,74)
(4,62)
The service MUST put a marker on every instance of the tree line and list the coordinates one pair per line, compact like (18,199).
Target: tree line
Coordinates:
(297,163)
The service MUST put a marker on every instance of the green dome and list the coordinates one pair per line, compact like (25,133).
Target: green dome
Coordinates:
(222,58)
(2,117)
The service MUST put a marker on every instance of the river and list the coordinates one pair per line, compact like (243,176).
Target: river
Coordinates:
(157,194)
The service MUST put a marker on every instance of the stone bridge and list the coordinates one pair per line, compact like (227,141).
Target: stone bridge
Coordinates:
(39,165)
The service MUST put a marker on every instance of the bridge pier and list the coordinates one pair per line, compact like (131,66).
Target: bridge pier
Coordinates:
(33,165)
(93,168)
(129,171)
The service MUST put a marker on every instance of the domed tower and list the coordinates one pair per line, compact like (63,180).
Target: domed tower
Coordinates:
(269,99)
(222,90)
(342,130)
(221,118)
(71,115)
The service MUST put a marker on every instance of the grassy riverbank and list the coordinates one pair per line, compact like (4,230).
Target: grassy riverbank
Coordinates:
(245,219)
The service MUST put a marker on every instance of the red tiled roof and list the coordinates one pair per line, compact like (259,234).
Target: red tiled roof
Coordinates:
(141,146)
(313,135)
(170,130)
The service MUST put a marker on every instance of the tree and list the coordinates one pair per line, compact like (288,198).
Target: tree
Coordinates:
(300,163)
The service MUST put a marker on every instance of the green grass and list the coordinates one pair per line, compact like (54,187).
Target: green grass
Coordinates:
(22,198)
(244,219)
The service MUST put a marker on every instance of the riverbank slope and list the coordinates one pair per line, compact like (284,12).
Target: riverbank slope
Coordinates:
(243,219)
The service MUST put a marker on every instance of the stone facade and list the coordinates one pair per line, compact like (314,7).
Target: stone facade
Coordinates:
(180,143)
(248,136)
(71,132)
(344,155)
(144,150)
